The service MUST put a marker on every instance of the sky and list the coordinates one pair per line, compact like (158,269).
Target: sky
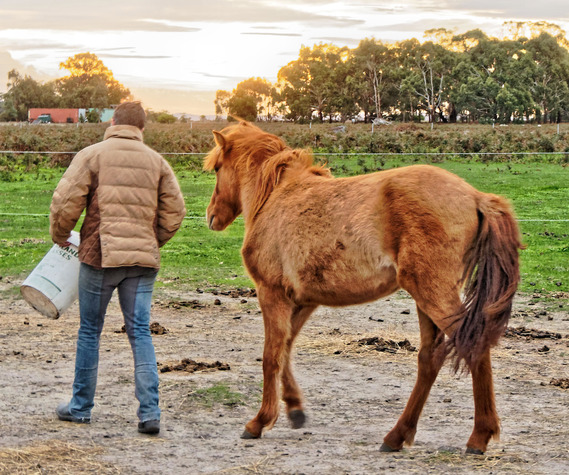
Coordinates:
(174,54)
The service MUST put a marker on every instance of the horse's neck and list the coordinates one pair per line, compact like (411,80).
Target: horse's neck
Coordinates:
(248,193)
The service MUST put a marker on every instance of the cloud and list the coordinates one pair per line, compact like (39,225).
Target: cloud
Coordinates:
(7,63)
(500,11)
(265,33)
(163,26)
(24,45)
(132,56)
(173,15)
(339,41)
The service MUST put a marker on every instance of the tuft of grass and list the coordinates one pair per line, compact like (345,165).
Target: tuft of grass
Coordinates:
(218,394)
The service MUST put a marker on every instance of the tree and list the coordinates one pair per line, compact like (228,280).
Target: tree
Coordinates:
(89,83)
(549,78)
(376,77)
(242,105)
(25,93)
(262,92)
(165,118)
(316,82)
(251,99)
(518,30)
(93,116)
(221,98)
(428,66)
(494,79)
(470,74)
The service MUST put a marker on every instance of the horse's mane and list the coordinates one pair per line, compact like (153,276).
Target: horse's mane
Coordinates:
(273,168)
(248,144)
(250,148)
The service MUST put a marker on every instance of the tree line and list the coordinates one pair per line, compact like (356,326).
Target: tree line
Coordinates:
(450,77)
(89,84)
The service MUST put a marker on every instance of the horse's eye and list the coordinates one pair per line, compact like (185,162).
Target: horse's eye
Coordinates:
(216,168)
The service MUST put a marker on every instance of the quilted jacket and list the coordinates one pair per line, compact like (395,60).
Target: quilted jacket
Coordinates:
(132,199)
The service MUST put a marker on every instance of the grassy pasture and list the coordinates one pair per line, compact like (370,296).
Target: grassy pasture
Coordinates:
(537,184)
(197,257)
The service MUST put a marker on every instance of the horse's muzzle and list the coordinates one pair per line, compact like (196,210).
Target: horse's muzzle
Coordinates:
(210,221)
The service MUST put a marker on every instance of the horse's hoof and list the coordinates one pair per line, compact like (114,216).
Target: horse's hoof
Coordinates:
(247,435)
(297,418)
(471,451)
(385,448)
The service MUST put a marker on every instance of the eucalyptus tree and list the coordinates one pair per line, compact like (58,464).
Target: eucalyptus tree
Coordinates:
(252,99)
(220,102)
(428,68)
(24,93)
(495,78)
(315,82)
(550,76)
(376,77)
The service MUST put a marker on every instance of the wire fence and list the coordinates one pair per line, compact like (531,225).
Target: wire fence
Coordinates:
(521,220)
(319,154)
(373,154)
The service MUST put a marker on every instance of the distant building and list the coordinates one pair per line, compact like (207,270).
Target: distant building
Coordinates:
(68,116)
(58,116)
(107,114)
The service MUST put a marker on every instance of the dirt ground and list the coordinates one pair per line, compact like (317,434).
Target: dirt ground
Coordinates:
(354,366)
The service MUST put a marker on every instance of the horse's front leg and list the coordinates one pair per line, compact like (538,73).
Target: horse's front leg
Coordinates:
(292,395)
(277,313)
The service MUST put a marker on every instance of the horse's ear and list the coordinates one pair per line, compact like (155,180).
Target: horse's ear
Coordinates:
(220,140)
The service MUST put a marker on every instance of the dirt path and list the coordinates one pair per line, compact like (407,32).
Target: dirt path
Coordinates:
(354,394)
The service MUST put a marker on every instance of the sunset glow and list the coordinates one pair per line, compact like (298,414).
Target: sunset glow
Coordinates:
(176,54)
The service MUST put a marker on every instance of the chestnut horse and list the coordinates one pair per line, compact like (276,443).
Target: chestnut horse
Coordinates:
(311,239)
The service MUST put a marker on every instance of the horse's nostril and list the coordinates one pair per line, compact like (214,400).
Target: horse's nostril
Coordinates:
(210,223)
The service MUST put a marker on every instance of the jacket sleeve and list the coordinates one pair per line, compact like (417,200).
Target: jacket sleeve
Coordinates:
(171,208)
(69,199)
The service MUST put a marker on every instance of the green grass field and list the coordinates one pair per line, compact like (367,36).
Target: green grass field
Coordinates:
(198,257)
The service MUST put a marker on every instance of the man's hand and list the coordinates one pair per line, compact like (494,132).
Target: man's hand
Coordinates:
(64,243)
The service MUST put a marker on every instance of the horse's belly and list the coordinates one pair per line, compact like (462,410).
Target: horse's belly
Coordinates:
(345,285)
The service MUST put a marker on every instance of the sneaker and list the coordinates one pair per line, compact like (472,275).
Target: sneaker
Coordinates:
(63,414)
(149,427)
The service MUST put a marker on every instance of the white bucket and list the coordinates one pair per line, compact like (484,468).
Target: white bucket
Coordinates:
(53,285)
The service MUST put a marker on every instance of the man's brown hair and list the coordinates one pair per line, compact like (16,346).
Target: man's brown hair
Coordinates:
(130,113)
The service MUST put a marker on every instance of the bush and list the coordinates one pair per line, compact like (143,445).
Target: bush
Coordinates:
(165,118)
(196,138)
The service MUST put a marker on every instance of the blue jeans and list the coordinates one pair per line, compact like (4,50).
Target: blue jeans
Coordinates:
(96,286)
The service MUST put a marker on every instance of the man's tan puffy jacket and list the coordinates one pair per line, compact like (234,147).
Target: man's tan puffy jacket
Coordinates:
(133,201)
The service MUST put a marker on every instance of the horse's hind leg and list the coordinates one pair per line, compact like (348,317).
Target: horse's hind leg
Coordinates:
(428,369)
(292,395)
(486,421)
(276,318)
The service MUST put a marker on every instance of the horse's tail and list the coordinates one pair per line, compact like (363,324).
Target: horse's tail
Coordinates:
(491,276)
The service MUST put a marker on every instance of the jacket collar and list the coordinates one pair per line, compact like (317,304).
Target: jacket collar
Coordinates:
(123,132)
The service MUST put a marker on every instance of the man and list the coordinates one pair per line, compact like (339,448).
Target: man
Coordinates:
(133,207)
